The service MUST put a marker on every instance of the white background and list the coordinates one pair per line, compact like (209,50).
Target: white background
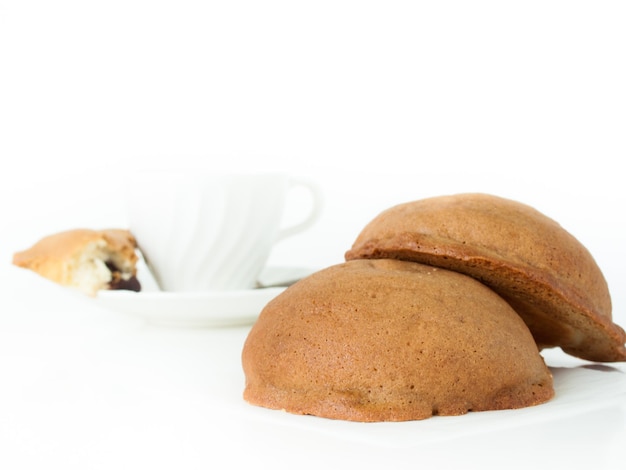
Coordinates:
(379,102)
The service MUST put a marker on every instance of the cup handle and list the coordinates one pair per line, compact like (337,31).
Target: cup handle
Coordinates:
(316,208)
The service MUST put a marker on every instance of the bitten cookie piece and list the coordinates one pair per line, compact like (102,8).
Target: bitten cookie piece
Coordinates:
(88,260)
(388,340)
(545,273)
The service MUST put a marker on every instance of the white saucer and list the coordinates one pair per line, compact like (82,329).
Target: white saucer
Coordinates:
(200,309)
(194,309)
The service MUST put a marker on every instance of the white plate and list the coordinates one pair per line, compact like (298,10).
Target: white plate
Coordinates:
(200,309)
(580,391)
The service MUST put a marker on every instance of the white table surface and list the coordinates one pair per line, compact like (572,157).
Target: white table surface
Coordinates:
(88,387)
(84,387)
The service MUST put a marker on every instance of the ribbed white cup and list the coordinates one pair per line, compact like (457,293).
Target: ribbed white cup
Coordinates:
(211,231)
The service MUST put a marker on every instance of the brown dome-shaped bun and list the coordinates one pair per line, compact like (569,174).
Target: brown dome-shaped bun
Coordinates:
(387,340)
(547,275)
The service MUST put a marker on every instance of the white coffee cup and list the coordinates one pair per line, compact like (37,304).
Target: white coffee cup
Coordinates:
(212,231)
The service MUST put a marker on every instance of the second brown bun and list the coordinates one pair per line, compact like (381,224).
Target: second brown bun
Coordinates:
(545,274)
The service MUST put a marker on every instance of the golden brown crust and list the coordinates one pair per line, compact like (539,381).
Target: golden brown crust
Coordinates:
(60,256)
(386,340)
(547,275)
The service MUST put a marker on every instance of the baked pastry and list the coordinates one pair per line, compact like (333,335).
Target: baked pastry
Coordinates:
(88,260)
(546,274)
(388,340)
